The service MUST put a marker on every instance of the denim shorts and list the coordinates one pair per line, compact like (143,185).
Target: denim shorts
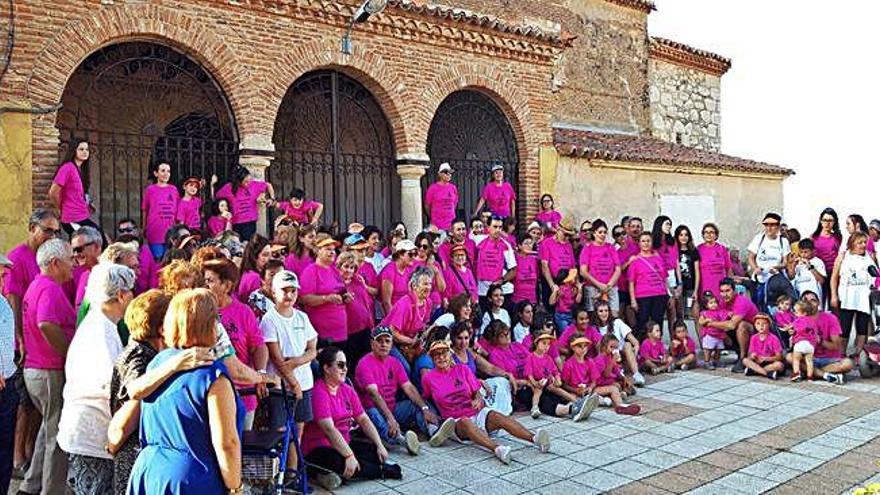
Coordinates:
(302,409)
(821,362)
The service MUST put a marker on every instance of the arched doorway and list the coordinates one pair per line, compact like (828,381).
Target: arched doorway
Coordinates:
(139,103)
(471,132)
(332,140)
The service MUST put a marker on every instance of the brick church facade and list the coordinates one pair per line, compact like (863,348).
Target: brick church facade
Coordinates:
(570,96)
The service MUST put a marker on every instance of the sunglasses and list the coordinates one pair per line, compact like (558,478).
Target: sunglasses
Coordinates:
(342,365)
(411,253)
(618,234)
(125,230)
(47,230)
(771,224)
(80,249)
(280,253)
(424,246)
(827,220)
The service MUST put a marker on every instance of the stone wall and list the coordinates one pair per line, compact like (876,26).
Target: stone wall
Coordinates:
(685,105)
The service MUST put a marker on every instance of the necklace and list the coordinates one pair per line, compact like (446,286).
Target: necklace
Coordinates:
(420,314)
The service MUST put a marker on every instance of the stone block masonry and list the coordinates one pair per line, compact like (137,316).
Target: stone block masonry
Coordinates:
(685,105)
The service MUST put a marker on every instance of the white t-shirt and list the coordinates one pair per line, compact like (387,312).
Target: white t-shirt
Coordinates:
(488,317)
(292,334)
(519,332)
(445,320)
(804,280)
(621,330)
(85,415)
(768,252)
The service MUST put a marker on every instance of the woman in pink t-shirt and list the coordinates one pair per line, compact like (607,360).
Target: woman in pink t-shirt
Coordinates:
(239,322)
(525,284)
(459,277)
(498,195)
(394,278)
(256,254)
(189,209)
(410,315)
(323,294)
(159,206)
(327,444)
(303,250)
(715,263)
(648,292)
(548,216)
(358,310)
(426,256)
(247,196)
(664,245)
(600,269)
(69,192)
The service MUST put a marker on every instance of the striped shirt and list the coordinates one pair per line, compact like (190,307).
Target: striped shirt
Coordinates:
(7,339)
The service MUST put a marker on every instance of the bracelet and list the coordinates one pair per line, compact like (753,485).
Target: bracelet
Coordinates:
(233,491)
(349,455)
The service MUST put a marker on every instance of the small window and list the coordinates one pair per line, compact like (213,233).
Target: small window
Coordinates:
(679,138)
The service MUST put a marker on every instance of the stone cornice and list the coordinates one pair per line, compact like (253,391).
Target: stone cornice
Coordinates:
(428,24)
(688,56)
(646,6)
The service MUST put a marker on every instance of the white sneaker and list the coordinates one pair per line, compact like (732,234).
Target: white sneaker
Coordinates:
(605,401)
(638,379)
(411,441)
(444,432)
(542,440)
(502,452)
(587,408)
(536,413)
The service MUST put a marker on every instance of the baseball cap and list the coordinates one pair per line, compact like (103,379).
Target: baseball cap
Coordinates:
(283,280)
(380,331)
(193,180)
(445,167)
(355,241)
(404,245)
(875,224)
(326,242)
(438,345)
(497,166)
(578,341)
(355,228)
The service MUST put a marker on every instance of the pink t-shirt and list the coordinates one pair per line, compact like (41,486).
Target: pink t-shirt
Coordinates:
(387,374)
(565,299)
(718,315)
(558,254)
(45,302)
(525,285)
(784,318)
(549,217)
(600,376)
(826,249)
(399,281)
(490,259)
(74,207)
(442,199)
(539,367)
(454,278)
(22,272)
(148,278)
(244,332)
(244,202)
(249,282)
(303,214)
(298,264)
(741,306)
(630,248)
(765,346)
(81,283)
(342,408)
(669,253)
(601,261)
(451,390)
(445,250)
(648,276)
(679,351)
(827,327)
(591,333)
(714,265)
(358,311)
(435,297)
(498,198)
(575,373)
(329,319)
(407,317)
(805,329)
(216,224)
(189,213)
(159,205)
(655,350)
(511,360)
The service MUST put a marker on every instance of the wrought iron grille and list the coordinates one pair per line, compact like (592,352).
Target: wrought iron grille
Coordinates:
(138,104)
(471,133)
(332,140)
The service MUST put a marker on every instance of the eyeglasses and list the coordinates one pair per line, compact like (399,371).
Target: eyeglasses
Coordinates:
(80,249)
(707,232)
(341,365)
(50,231)
(411,253)
(280,253)
(619,234)
(771,224)
(827,220)
(424,246)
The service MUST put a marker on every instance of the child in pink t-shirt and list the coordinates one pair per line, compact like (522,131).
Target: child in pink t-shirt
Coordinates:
(548,395)
(713,338)
(300,210)
(565,296)
(189,208)
(765,351)
(577,372)
(803,339)
(653,357)
(607,379)
(221,217)
(682,348)
(784,315)
(526,282)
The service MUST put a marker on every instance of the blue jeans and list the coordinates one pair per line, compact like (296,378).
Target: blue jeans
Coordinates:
(8,410)
(405,413)
(395,353)
(563,320)
(157,250)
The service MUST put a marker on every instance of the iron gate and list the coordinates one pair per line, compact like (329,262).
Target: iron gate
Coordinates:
(138,104)
(472,133)
(332,140)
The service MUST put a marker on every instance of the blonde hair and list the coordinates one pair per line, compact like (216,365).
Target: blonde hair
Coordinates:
(179,275)
(118,251)
(145,314)
(805,307)
(345,257)
(191,319)
(854,238)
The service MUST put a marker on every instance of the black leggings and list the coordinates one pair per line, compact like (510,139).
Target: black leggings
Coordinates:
(863,323)
(651,308)
(328,459)
(245,230)
(546,404)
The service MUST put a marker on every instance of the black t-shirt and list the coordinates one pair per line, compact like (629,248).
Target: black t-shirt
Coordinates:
(686,260)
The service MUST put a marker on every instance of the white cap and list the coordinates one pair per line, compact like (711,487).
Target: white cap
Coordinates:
(497,166)
(445,167)
(284,279)
(404,245)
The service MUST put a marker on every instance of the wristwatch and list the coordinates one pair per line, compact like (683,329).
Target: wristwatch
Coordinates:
(425,407)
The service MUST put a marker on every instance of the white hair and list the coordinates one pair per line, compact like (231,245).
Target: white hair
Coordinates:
(52,249)
(106,281)
(118,251)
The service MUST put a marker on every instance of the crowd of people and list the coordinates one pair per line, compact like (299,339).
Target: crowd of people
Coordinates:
(121,361)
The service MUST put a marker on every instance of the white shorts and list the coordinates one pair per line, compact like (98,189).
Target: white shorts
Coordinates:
(480,418)
(803,347)
(593,298)
(712,343)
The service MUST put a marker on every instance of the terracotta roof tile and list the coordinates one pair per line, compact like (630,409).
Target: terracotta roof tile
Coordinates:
(682,54)
(645,6)
(644,149)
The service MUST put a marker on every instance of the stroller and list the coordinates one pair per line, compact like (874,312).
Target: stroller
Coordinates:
(766,296)
(869,359)
(264,452)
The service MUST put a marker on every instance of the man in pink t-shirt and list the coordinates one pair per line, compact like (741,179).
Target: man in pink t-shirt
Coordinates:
(556,253)
(829,357)
(86,245)
(441,199)
(49,323)
(457,237)
(378,378)
(740,325)
(496,262)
